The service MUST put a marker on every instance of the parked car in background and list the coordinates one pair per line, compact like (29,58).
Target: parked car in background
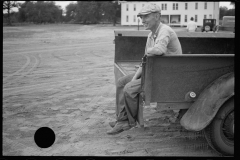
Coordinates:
(209,25)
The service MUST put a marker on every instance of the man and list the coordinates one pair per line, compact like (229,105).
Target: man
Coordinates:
(191,26)
(162,40)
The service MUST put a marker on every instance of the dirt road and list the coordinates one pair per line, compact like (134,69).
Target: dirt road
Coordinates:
(61,77)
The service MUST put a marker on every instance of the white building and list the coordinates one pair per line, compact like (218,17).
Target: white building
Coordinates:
(173,13)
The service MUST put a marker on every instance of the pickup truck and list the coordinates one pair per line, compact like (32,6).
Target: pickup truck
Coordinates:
(199,82)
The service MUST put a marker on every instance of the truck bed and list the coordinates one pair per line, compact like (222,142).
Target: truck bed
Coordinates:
(128,67)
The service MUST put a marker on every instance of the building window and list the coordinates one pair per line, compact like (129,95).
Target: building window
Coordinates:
(205,5)
(186,6)
(165,6)
(134,18)
(134,7)
(210,16)
(162,6)
(195,18)
(205,16)
(196,5)
(185,18)
(176,6)
(127,7)
(127,19)
(173,6)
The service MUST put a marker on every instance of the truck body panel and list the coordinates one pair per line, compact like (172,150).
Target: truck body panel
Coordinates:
(169,78)
(200,114)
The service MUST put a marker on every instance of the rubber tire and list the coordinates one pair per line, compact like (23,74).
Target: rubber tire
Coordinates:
(213,131)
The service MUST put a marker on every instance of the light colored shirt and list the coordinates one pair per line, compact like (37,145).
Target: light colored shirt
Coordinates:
(191,26)
(165,39)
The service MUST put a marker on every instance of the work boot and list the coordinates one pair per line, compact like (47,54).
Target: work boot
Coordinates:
(119,127)
(112,124)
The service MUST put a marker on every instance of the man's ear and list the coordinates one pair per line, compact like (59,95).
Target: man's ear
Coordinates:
(158,15)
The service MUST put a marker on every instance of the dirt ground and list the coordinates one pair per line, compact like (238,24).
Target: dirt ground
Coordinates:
(61,77)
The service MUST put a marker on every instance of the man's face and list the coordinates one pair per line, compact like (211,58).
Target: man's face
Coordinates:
(149,21)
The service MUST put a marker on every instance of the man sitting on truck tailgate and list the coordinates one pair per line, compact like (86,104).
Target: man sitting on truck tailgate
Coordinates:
(161,40)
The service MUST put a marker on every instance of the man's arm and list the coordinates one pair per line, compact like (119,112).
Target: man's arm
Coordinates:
(137,74)
(160,46)
(154,51)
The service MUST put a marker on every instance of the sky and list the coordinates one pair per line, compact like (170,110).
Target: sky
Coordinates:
(63,4)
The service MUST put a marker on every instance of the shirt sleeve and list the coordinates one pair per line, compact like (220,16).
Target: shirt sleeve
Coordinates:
(162,41)
(147,45)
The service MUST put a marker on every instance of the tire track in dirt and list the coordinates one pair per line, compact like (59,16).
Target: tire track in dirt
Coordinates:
(76,53)
(29,58)
(22,68)
(59,48)
(41,86)
(31,63)
(59,58)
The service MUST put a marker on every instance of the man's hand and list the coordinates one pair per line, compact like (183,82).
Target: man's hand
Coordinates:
(137,74)
(150,54)
(134,78)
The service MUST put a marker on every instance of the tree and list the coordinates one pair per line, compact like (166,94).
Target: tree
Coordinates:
(22,12)
(8,5)
(233,4)
(111,11)
(224,11)
(71,11)
(40,12)
(88,11)
(93,11)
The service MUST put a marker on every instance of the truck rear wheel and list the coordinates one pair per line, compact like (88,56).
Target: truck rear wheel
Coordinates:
(220,133)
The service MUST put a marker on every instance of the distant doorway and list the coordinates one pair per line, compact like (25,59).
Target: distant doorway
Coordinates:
(175,19)
(165,19)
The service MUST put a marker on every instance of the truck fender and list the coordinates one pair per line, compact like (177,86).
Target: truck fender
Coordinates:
(206,106)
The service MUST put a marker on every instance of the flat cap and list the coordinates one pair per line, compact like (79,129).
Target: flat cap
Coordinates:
(150,8)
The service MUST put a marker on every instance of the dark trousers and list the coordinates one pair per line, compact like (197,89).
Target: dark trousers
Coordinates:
(127,94)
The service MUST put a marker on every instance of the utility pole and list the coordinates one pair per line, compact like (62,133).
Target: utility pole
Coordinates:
(138,24)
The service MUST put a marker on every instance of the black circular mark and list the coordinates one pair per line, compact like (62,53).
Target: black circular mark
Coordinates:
(44,137)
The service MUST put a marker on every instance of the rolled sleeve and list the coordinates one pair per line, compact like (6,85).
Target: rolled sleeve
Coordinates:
(162,42)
